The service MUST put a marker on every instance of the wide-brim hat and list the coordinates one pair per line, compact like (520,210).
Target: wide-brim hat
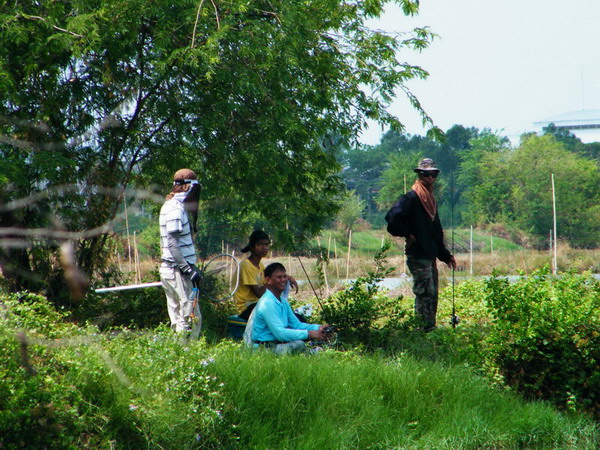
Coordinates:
(426,164)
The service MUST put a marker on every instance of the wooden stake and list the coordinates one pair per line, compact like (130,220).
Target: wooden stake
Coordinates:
(555,262)
(323,267)
(128,238)
(471,252)
(348,258)
(337,267)
(136,259)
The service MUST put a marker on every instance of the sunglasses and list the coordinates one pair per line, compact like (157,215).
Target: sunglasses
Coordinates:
(429,174)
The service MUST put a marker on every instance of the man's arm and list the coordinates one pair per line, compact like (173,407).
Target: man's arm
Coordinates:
(258,290)
(187,269)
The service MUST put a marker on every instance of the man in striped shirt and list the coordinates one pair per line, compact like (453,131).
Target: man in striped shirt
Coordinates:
(178,272)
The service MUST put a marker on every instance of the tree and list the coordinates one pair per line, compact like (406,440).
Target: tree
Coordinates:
(99,96)
(483,178)
(513,187)
(577,185)
(397,178)
(351,210)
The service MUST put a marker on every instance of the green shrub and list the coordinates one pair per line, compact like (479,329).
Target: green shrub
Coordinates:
(545,338)
(136,308)
(62,386)
(362,313)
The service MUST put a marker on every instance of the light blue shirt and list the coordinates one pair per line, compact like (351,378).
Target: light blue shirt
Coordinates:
(275,321)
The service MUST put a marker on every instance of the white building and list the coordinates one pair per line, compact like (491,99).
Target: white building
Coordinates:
(584,124)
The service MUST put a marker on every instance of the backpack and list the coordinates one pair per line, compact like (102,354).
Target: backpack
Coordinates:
(397,224)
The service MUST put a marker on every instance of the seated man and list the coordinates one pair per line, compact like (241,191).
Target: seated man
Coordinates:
(274,324)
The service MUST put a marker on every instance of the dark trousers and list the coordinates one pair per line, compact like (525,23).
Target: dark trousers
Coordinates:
(425,288)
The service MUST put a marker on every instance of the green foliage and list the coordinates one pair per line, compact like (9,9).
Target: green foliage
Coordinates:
(397,178)
(69,387)
(577,185)
(352,209)
(77,388)
(361,312)
(519,182)
(349,400)
(100,96)
(545,337)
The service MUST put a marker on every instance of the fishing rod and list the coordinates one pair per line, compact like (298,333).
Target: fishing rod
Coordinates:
(454,319)
(309,281)
(306,274)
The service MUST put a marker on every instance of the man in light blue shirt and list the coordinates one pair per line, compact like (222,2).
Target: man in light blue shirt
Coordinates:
(274,325)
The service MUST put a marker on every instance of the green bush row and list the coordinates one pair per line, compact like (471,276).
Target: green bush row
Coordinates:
(538,335)
(545,337)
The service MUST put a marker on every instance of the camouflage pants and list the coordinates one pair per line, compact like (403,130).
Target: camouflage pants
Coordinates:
(425,288)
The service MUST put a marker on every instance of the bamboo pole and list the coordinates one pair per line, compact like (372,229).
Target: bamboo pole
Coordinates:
(555,262)
(471,252)
(337,267)
(231,269)
(323,268)
(348,258)
(136,259)
(127,229)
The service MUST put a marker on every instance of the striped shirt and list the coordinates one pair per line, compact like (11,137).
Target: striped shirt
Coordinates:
(173,218)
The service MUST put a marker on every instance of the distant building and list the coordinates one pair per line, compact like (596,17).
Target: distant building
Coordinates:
(584,124)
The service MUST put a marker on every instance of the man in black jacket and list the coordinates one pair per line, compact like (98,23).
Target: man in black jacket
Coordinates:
(415,217)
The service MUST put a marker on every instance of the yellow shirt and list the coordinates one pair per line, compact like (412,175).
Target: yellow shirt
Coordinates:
(250,275)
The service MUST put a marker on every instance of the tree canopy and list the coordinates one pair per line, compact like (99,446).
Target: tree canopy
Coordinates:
(252,95)
(487,182)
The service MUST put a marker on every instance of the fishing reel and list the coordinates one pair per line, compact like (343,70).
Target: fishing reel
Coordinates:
(329,329)
(454,319)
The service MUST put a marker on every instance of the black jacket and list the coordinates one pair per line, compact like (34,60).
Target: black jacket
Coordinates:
(408,216)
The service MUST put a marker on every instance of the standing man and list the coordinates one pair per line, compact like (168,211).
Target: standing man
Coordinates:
(178,272)
(415,217)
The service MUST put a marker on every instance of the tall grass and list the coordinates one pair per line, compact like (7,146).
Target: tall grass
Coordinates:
(154,390)
(346,401)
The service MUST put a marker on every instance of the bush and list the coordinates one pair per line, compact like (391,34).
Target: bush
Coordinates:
(136,308)
(545,338)
(361,313)
(62,386)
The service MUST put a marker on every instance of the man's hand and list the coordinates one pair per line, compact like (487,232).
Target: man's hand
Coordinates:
(452,264)
(320,334)
(293,283)
(193,274)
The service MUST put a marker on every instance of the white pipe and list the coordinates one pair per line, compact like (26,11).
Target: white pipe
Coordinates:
(131,286)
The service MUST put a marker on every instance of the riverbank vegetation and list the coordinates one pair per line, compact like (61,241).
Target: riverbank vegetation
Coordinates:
(68,386)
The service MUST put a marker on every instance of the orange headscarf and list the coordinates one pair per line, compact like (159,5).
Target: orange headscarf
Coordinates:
(427,198)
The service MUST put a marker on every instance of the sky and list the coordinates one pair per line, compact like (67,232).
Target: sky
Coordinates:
(499,64)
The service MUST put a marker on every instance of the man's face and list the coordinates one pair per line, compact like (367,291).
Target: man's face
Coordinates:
(261,248)
(278,280)
(426,178)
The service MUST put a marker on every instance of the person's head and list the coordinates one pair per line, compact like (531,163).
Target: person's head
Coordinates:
(185,181)
(258,244)
(427,171)
(276,276)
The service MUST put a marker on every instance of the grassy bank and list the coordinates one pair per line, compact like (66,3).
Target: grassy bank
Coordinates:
(64,386)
